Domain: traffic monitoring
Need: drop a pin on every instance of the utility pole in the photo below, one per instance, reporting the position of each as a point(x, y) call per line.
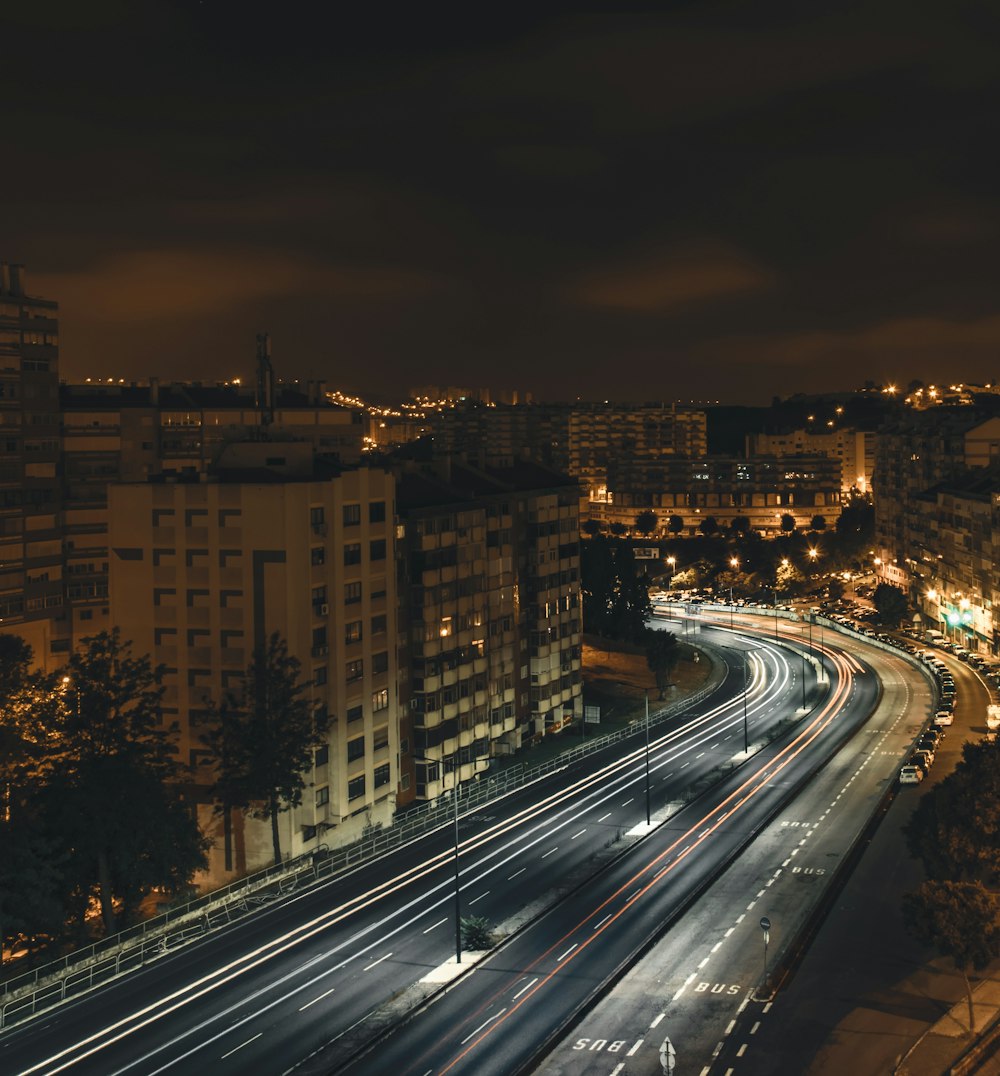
point(647, 759)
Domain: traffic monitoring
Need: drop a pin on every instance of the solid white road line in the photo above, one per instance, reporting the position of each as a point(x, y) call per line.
point(302, 1008)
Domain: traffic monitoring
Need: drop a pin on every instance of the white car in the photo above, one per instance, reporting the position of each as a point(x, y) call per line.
point(911, 775)
point(943, 717)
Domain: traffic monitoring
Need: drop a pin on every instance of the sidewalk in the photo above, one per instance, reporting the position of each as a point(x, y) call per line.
point(948, 1042)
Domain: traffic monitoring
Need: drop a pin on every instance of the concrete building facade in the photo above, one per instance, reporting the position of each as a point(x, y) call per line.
point(855, 449)
point(31, 567)
point(204, 571)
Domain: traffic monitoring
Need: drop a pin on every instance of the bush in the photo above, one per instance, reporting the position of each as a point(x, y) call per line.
point(477, 934)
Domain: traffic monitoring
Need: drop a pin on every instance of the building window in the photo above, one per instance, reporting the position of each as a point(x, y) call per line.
point(352, 593)
point(380, 738)
point(322, 796)
point(380, 662)
point(380, 700)
point(317, 516)
point(352, 553)
point(352, 515)
point(356, 787)
point(376, 512)
point(355, 749)
point(319, 676)
point(355, 713)
point(355, 670)
point(378, 624)
point(318, 554)
point(376, 549)
point(352, 632)
point(381, 775)
point(322, 755)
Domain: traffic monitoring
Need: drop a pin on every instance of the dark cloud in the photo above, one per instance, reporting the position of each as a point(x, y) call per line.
point(713, 200)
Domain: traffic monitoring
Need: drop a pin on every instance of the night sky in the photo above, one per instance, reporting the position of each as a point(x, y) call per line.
point(716, 201)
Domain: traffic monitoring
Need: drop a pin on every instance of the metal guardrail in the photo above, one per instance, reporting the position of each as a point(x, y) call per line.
point(84, 969)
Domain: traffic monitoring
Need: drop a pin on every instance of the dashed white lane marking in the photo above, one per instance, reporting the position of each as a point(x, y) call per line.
point(717, 1050)
point(634, 1048)
point(241, 1045)
point(379, 961)
point(787, 861)
point(713, 747)
point(729, 931)
point(516, 873)
point(434, 926)
point(656, 1021)
point(480, 897)
point(617, 1068)
point(580, 834)
point(627, 802)
point(702, 755)
point(716, 947)
point(603, 921)
point(687, 982)
point(767, 1007)
point(753, 1030)
point(603, 816)
point(750, 906)
point(489, 1020)
point(302, 1008)
point(703, 963)
point(742, 1050)
point(732, 1024)
point(741, 918)
point(760, 893)
point(525, 989)
point(560, 959)
point(550, 851)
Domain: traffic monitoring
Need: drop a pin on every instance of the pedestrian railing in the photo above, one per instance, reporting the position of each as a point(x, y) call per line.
point(83, 969)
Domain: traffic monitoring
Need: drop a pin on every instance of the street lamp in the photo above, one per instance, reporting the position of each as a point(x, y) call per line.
point(734, 563)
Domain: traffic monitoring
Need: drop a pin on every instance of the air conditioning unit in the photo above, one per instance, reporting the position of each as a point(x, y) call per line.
point(324, 610)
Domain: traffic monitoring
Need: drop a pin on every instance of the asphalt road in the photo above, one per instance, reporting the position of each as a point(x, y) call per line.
point(270, 991)
point(699, 997)
point(499, 1018)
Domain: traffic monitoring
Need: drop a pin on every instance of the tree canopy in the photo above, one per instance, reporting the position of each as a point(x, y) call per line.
point(264, 737)
point(960, 919)
point(890, 604)
point(662, 653)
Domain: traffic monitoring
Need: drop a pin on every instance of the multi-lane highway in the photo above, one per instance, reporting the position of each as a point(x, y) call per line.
point(268, 993)
point(498, 1019)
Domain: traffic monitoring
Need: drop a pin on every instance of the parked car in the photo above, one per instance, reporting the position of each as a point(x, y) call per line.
point(911, 775)
point(923, 757)
point(931, 735)
point(943, 717)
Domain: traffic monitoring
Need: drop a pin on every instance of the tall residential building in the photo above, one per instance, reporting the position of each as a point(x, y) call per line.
point(919, 451)
point(491, 570)
point(31, 582)
point(855, 449)
point(115, 432)
point(581, 440)
point(203, 569)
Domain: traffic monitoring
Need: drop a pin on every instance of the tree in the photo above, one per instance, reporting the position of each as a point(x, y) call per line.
point(109, 795)
point(597, 572)
point(662, 654)
point(675, 524)
point(630, 605)
point(645, 522)
point(709, 526)
point(818, 523)
point(740, 525)
point(787, 523)
point(835, 589)
point(264, 738)
point(955, 828)
point(618, 529)
point(30, 890)
point(960, 919)
point(477, 934)
point(591, 527)
point(890, 603)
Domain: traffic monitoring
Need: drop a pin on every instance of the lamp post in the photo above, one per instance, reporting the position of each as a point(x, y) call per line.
point(458, 892)
point(647, 759)
point(734, 563)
